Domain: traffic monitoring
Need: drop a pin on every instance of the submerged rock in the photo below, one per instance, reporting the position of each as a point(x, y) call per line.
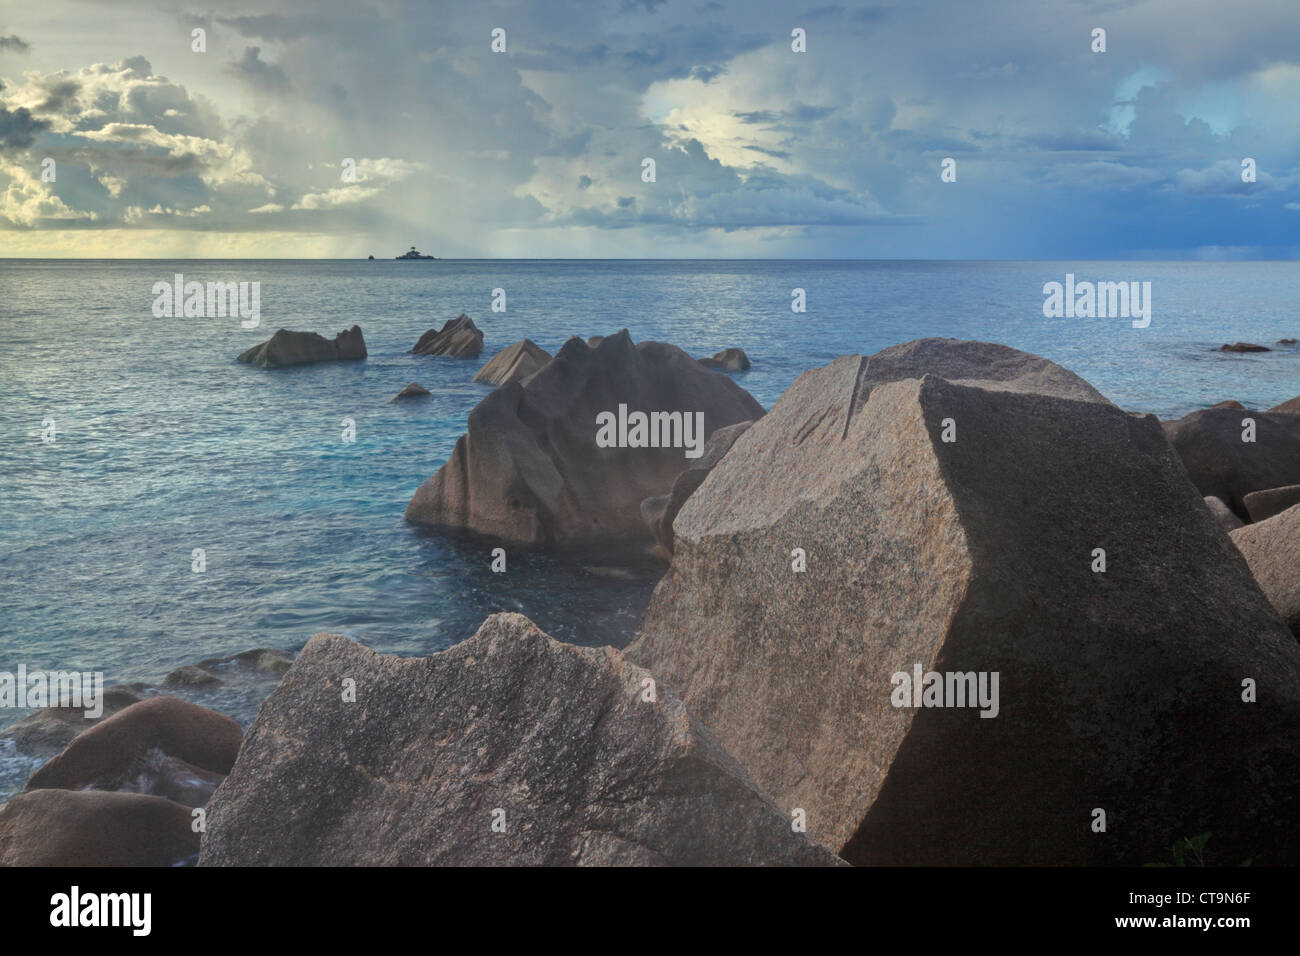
point(728, 360)
point(303, 348)
point(1272, 549)
point(529, 469)
point(414, 390)
point(954, 529)
point(509, 749)
point(218, 671)
point(660, 510)
point(1222, 464)
point(458, 338)
point(518, 363)
point(114, 753)
point(81, 828)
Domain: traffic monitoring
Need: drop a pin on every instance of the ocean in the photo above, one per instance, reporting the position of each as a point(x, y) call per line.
point(165, 444)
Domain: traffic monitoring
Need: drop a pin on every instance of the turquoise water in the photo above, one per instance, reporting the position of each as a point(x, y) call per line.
point(166, 444)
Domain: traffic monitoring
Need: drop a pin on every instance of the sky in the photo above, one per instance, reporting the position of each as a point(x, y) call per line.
point(343, 128)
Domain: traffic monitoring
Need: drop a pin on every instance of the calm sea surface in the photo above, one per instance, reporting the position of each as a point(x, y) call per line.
point(166, 444)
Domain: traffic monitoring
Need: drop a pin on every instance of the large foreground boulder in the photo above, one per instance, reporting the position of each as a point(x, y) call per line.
point(955, 529)
point(458, 338)
point(510, 748)
point(530, 469)
point(1220, 462)
point(1272, 549)
point(303, 348)
point(80, 828)
point(160, 738)
point(518, 363)
point(660, 510)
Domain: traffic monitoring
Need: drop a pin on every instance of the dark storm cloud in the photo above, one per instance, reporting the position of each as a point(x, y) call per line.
point(18, 128)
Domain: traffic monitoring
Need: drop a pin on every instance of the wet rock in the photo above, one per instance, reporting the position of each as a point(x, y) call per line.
point(83, 828)
point(414, 390)
point(286, 348)
point(116, 749)
point(1243, 347)
point(728, 360)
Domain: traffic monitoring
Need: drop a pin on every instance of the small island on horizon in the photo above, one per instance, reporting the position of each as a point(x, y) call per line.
point(412, 253)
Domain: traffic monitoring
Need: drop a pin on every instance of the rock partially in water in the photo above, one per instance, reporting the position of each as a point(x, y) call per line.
point(529, 469)
point(286, 348)
point(862, 536)
point(1243, 347)
point(115, 752)
point(728, 360)
point(1272, 549)
point(1289, 407)
point(83, 828)
point(47, 731)
point(518, 363)
point(222, 671)
point(414, 390)
point(508, 749)
point(458, 338)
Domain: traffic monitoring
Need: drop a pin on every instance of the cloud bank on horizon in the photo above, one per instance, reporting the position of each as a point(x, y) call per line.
point(347, 128)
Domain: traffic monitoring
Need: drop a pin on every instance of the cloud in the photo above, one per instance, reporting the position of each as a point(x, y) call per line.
point(264, 76)
point(14, 44)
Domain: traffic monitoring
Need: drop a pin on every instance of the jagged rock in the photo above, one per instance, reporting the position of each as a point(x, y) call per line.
point(1272, 549)
point(81, 828)
point(1118, 690)
point(458, 338)
point(518, 363)
point(1222, 465)
point(1223, 515)
point(1243, 347)
point(556, 737)
point(659, 511)
point(528, 470)
point(728, 360)
point(1289, 407)
point(118, 750)
point(1262, 505)
point(302, 348)
point(414, 390)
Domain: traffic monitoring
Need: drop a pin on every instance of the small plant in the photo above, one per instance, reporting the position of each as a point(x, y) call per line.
point(1190, 851)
